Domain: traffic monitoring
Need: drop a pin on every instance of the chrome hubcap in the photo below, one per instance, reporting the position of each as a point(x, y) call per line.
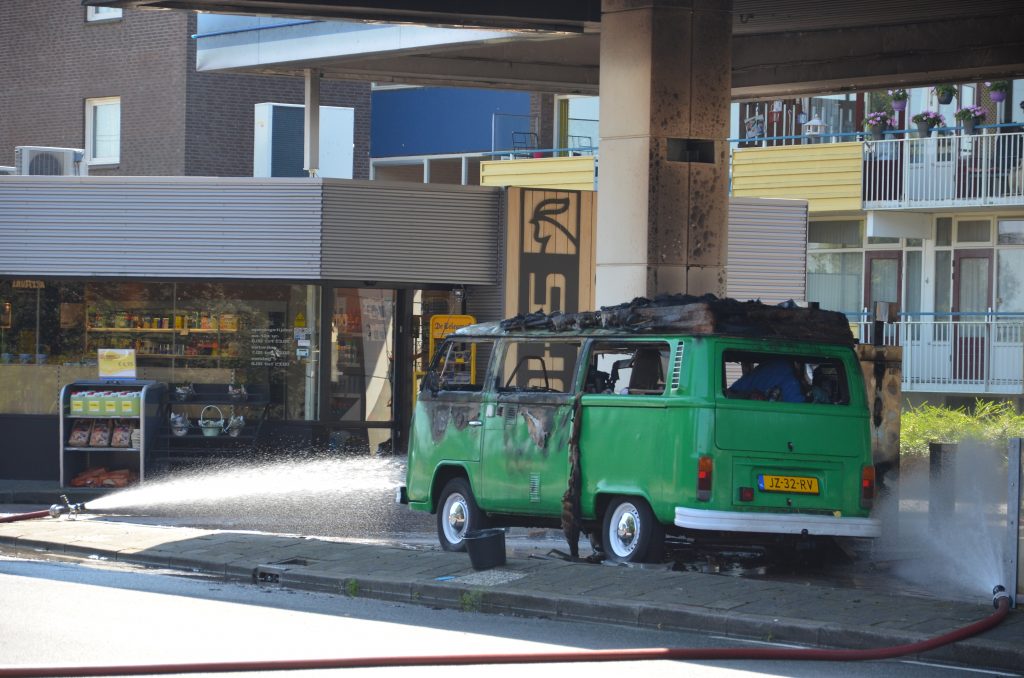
point(455, 524)
point(625, 530)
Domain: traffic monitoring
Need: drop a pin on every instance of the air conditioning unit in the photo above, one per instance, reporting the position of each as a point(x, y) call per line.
point(7, 170)
point(47, 161)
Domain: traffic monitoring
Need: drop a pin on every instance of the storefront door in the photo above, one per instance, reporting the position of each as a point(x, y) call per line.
point(361, 364)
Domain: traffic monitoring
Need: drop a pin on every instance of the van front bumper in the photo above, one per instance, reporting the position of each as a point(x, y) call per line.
point(776, 523)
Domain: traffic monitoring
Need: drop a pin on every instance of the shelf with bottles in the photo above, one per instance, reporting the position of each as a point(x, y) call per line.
point(161, 321)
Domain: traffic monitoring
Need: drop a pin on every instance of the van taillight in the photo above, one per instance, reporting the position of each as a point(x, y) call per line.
point(704, 478)
point(867, 486)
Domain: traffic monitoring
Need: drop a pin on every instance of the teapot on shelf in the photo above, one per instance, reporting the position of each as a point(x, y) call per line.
point(235, 425)
point(179, 424)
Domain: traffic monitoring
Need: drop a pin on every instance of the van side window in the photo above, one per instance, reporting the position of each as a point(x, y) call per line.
point(627, 368)
point(461, 365)
point(784, 377)
point(539, 366)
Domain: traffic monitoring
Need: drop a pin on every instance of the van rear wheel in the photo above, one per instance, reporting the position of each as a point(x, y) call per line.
point(631, 533)
point(457, 514)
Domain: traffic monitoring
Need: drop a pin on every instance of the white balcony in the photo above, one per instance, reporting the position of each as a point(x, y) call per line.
point(961, 170)
point(970, 353)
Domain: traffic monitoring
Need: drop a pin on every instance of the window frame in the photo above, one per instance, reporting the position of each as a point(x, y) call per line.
point(103, 14)
point(90, 131)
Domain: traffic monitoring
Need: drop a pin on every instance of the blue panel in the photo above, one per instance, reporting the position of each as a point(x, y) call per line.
point(436, 120)
point(287, 154)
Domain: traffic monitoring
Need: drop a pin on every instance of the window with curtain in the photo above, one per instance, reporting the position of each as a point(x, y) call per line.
point(834, 280)
point(103, 130)
point(1010, 281)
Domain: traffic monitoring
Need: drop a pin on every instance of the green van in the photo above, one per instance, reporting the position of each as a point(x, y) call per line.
point(706, 417)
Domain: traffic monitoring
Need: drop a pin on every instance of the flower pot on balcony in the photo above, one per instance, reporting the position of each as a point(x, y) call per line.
point(997, 95)
point(876, 132)
point(899, 104)
point(945, 97)
point(969, 126)
point(924, 130)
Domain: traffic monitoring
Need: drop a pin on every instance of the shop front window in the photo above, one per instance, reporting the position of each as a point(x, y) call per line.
point(259, 334)
point(362, 368)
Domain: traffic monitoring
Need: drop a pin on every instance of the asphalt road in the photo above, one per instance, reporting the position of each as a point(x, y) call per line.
point(102, 614)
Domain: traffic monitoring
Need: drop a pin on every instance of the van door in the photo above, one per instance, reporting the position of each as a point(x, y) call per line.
point(624, 433)
point(527, 420)
point(447, 423)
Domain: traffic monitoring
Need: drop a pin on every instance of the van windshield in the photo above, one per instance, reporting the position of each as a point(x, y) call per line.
point(784, 377)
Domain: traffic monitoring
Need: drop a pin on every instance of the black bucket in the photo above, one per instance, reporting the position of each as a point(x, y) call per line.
point(486, 548)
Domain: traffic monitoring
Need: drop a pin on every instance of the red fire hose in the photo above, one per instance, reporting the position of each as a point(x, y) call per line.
point(24, 516)
point(1001, 602)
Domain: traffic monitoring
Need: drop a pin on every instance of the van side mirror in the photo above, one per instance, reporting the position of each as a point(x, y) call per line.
point(431, 383)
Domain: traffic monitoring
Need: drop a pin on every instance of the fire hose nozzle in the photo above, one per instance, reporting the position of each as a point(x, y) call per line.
point(66, 507)
point(998, 593)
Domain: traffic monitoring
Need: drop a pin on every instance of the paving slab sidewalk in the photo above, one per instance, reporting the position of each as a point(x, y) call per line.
point(766, 610)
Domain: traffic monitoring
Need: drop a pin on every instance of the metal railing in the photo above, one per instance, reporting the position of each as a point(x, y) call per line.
point(971, 353)
point(944, 171)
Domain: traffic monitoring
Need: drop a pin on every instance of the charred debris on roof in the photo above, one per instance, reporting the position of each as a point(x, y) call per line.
point(688, 314)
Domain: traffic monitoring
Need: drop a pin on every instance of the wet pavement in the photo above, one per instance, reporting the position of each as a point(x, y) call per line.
point(859, 596)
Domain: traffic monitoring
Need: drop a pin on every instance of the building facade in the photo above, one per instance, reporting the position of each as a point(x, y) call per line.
point(124, 87)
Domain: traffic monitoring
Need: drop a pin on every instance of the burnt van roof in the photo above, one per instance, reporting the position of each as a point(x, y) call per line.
point(681, 314)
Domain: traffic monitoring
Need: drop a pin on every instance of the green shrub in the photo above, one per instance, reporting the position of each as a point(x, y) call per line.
point(993, 423)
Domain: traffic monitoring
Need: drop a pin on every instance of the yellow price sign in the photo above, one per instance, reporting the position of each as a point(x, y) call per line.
point(117, 363)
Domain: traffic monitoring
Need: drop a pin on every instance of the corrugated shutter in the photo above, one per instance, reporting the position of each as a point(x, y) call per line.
point(767, 249)
point(410, 233)
point(487, 302)
point(177, 227)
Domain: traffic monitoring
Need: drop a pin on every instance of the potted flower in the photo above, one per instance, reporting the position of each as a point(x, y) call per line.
point(899, 98)
point(926, 120)
point(969, 116)
point(876, 122)
point(997, 89)
point(945, 93)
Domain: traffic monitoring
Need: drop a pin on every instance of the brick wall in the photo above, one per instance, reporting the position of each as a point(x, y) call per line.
point(542, 108)
point(55, 60)
point(174, 121)
point(220, 112)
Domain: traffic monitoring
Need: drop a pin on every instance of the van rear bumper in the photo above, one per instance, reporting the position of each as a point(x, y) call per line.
point(777, 523)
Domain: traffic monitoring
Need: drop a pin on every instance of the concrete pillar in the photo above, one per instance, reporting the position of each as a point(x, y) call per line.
point(662, 197)
point(311, 145)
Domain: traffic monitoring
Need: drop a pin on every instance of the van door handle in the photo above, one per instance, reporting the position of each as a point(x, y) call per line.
point(475, 422)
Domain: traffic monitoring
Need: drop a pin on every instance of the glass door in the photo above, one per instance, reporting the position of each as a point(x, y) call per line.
point(360, 387)
point(972, 299)
point(883, 281)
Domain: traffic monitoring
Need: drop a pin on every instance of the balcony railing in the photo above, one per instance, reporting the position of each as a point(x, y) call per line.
point(971, 353)
point(954, 170)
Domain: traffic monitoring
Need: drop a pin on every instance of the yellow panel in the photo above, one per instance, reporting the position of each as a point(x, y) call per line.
point(828, 176)
point(572, 173)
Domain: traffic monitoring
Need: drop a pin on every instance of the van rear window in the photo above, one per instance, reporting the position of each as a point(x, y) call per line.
point(784, 377)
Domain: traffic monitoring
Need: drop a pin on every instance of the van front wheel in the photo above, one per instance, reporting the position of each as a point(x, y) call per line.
point(631, 533)
point(457, 513)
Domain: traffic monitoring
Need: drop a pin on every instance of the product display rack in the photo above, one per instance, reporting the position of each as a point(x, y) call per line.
point(135, 457)
point(216, 401)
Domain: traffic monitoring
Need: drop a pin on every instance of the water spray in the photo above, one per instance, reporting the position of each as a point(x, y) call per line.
point(55, 511)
